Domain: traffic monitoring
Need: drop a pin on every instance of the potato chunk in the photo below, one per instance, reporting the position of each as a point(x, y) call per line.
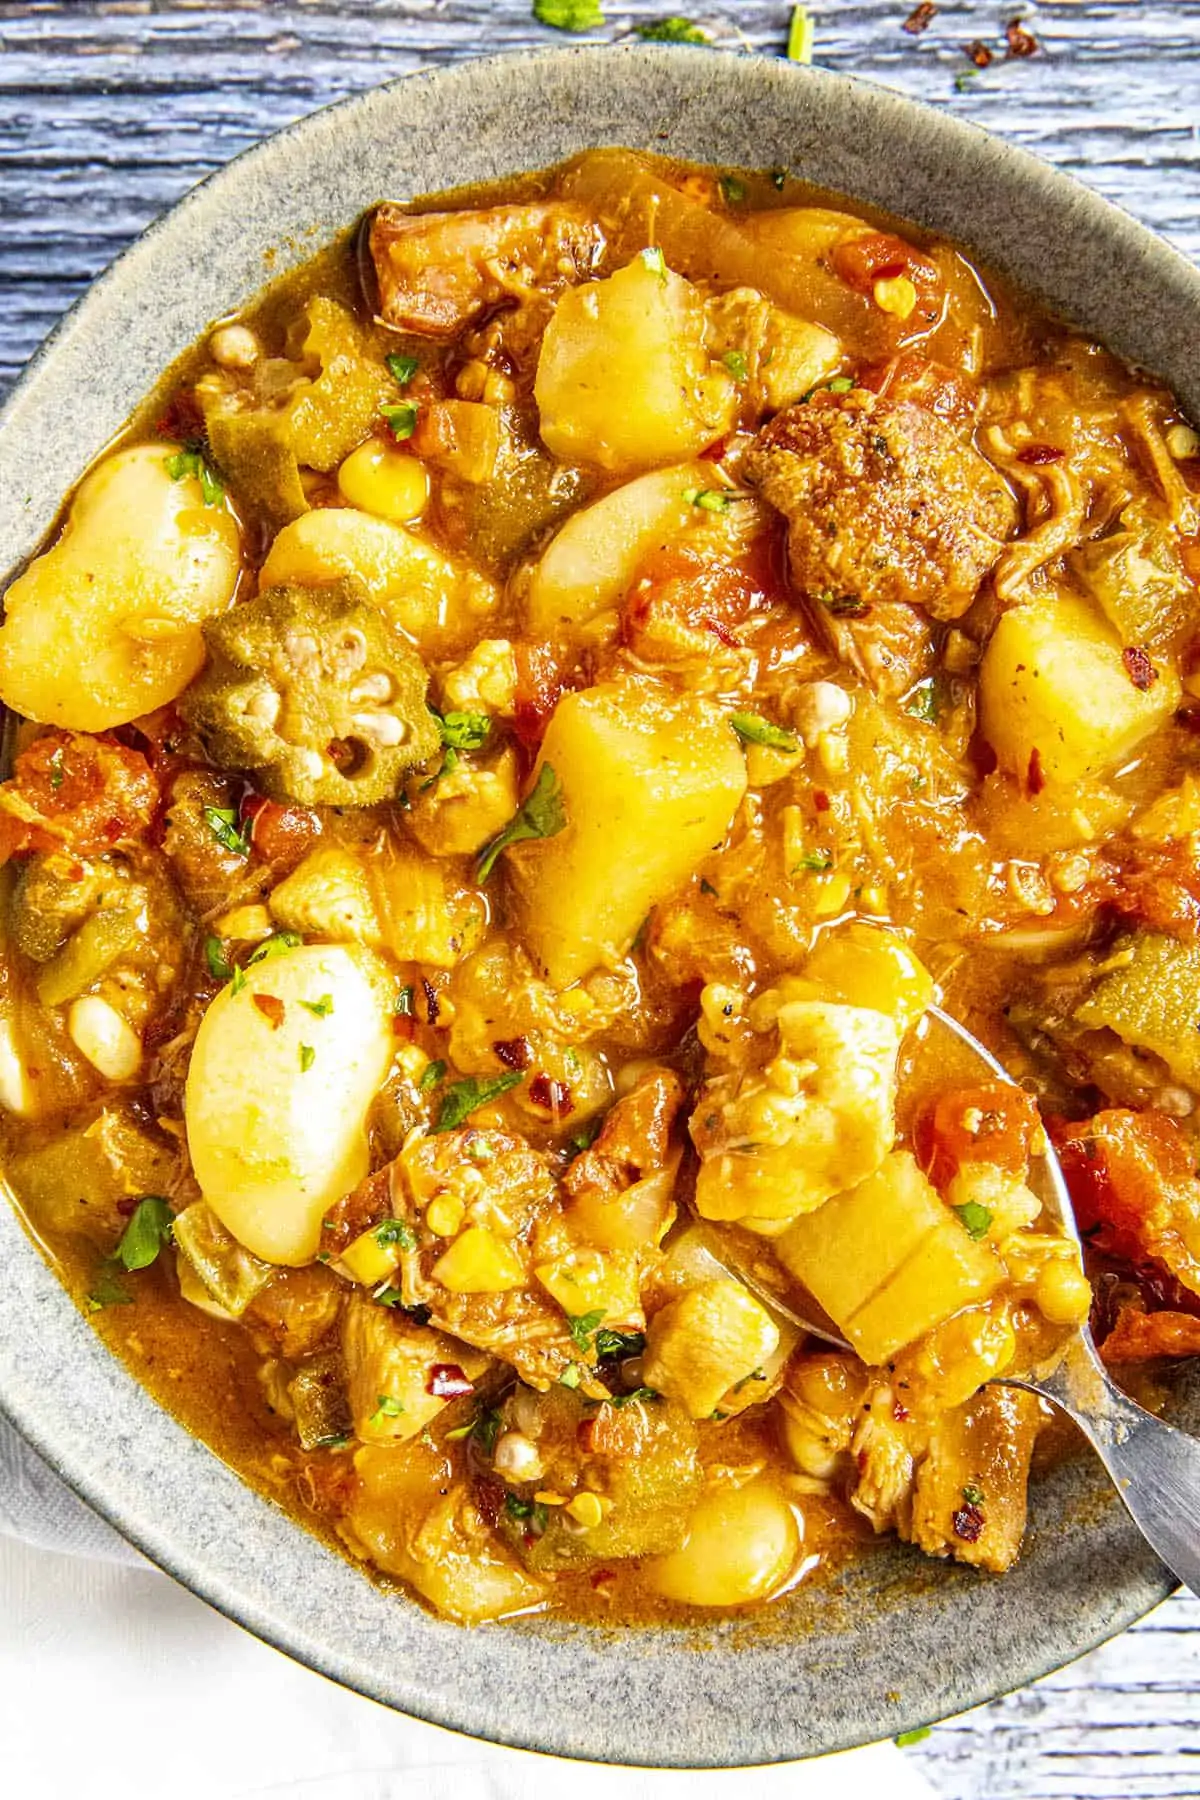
point(623, 379)
point(592, 562)
point(888, 1260)
point(708, 1340)
point(649, 785)
point(1054, 681)
point(777, 1141)
point(277, 1094)
point(105, 625)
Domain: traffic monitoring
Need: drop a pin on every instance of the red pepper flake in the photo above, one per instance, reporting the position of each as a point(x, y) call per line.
point(979, 54)
point(1037, 454)
point(1035, 779)
point(920, 19)
point(1020, 42)
point(722, 632)
point(551, 1095)
point(900, 1412)
point(448, 1382)
point(820, 800)
point(271, 1008)
point(968, 1523)
point(514, 1053)
point(1140, 670)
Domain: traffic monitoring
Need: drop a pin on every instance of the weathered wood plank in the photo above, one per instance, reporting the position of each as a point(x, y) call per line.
point(110, 109)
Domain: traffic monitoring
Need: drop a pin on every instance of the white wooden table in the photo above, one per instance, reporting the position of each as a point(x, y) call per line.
point(110, 109)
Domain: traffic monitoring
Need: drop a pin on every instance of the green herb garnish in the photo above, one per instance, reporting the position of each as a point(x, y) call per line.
point(148, 1230)
point(278, 944)
point(395, 1231)
point(403, 1009)
point(571, 1376)
point(320, 1009)
point(733, 190)
point(238, 982)
point(916, 1736)
point(975, 1219)
point(222, 821)
point(585, 1137)
point(219, 965)
point(926, 700)
point(582, 1327)
point(465, 1097)
point(844, 606)
point(401, 368)
point(388, 1408)
point(401, 419)
point(819, 860)
point(973, 1495)
point(752, 728)
point(430, 1076)
point(532, 1511)
point(464, 730)
point(654, 260)
point(615, 1346)
point(673, 30)
point(735, 362)
point(57, 772)
point(541, 815)
point(190, 461)
point(308, 1057)
point(714, 500)
point(800, 36)
point(106, 1290)
point(568, 15)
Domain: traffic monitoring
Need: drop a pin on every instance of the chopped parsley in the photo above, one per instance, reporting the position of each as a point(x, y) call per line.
point(464, 730)
point(752, 728)
point(568, 15)
point(735, 362)
point(819, 860)
point(672, 30)
point(926, 700)
point(571, 1376)
point(430, 1076)
point(540, 815)
point(401, 419)
point(800, 36)
point(585, 1137)
point(149, 1228)
point(238, 982)
point(840, 384)
point(655, 261)
point(485, 1429)
point(57, 772)
point(973, 1495)
point(219, 965)
point(844, 606)
point(582, 1327)
point(106, 1290)
point(320, 1009)
point(222, 821)
point(278, 944)
point(308, 1057)
point(533, 1512)
point(975, 1219)
point(401, 368)
point(403, 1009)
point(615, 1346)
point(463, 1098)
point(395, 1231)
point(190, 461)
point(733, 190)
point(714, 500)
point(916, 1736)
point(388, 1407)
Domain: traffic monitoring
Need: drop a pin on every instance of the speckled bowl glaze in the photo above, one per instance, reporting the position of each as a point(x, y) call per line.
point(894, 1641)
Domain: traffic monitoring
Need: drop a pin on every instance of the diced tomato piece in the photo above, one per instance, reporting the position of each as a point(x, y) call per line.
point(541, 682)
point(988, 1124)
point(879, 256)
point(1132, 1179)
point(76, 792)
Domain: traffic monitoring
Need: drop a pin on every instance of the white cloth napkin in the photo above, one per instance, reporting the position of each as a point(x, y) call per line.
point(116, 1682)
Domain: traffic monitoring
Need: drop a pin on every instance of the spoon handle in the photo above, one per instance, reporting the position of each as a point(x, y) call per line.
point(1155, 1468)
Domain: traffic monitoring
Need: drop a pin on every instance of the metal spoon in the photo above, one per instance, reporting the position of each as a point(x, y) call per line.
point(1154, 1467)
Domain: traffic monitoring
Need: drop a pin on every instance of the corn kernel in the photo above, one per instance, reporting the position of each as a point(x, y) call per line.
point(586, 1510)
point(1062, 1292)
point(478, 1263)
point(1183, 442)
point(99, 1032)
point(895, 294)
point(834, 891)
point(387, 482)
point(444, 1216)
point(245, 924)
point(369, 1261)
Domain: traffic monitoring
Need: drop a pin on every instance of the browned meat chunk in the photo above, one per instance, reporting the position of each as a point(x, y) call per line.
point(969, 1497)
point(635, 1139)
point(437, 271)
point(887, 505)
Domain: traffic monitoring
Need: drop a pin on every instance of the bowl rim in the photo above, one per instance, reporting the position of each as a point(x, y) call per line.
point(111, 1465)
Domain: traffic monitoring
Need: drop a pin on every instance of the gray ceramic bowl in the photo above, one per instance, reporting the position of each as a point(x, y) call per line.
point(895, 1641)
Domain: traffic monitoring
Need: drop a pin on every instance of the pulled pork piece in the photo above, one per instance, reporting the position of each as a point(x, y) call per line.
point(956, 1487)
point(1132, 1176)
point(73, 792)
point(437, 271)
point(635, 1140)
point(298, 1309)
point(969, 1498)
point(887, 505)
